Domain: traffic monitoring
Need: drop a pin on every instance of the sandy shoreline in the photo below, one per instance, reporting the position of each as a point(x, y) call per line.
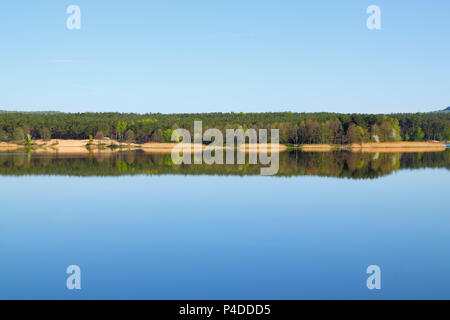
point(383, 147)
point(317, 147)
point(404, 146)
point(61, 146)
point(168, 147)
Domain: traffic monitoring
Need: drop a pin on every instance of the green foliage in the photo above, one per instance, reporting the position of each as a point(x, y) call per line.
point(360, 133)
point(167, 160)
point(419, 135)
point(168, 135)
point(352, 165)
point(120, 128)
point(295, 128)
point(28, 140)
point(149, 120)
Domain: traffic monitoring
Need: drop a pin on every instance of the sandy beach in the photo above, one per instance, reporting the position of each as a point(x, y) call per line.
point(153, 147)
point(62, 146)
point(401, 146)
point(317, 147)
point(383, 147)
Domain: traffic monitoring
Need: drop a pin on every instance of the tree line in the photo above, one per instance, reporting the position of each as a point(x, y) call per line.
point(295, 128)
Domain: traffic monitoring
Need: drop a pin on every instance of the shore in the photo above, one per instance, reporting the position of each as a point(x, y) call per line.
point(402, 146)
point(61, 146)
point(317, 147)
point(167, 147)
point(382, 147)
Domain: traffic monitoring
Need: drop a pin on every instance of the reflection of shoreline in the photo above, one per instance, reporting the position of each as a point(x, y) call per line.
point(339, 164)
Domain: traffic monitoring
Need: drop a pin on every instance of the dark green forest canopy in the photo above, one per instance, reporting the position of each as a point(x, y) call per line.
point(295, 128)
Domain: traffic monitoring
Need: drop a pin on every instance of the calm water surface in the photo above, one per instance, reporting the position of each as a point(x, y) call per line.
point(141, 228)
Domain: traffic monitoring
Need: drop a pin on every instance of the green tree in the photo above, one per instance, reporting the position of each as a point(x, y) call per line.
point(407, 136)
point(419, 135)
point(360, 134)
point(298, 128)
point(28, 140)
point(120, 128)
point(168, 135)
point(395, 131)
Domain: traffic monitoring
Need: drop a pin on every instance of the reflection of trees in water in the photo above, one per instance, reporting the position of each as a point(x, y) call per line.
point(329, 164)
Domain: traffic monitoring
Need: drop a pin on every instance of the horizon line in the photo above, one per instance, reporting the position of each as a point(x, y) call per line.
point(2, 110)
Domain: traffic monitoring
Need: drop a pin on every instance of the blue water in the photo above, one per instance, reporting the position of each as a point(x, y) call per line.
point(216, 237)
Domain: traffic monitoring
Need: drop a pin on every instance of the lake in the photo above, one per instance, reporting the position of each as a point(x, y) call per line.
point(140, 227)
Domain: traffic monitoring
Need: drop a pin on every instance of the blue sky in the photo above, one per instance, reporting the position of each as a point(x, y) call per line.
point(233, 55)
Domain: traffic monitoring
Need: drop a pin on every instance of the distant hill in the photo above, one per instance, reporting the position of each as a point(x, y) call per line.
point(446, 110)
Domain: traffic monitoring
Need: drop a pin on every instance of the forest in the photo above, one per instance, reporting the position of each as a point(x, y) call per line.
point(295, 128)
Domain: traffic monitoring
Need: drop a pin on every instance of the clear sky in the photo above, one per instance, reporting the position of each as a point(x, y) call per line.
point(228, 55)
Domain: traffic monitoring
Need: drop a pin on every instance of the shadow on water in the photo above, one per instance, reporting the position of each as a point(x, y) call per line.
point(328, 164)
